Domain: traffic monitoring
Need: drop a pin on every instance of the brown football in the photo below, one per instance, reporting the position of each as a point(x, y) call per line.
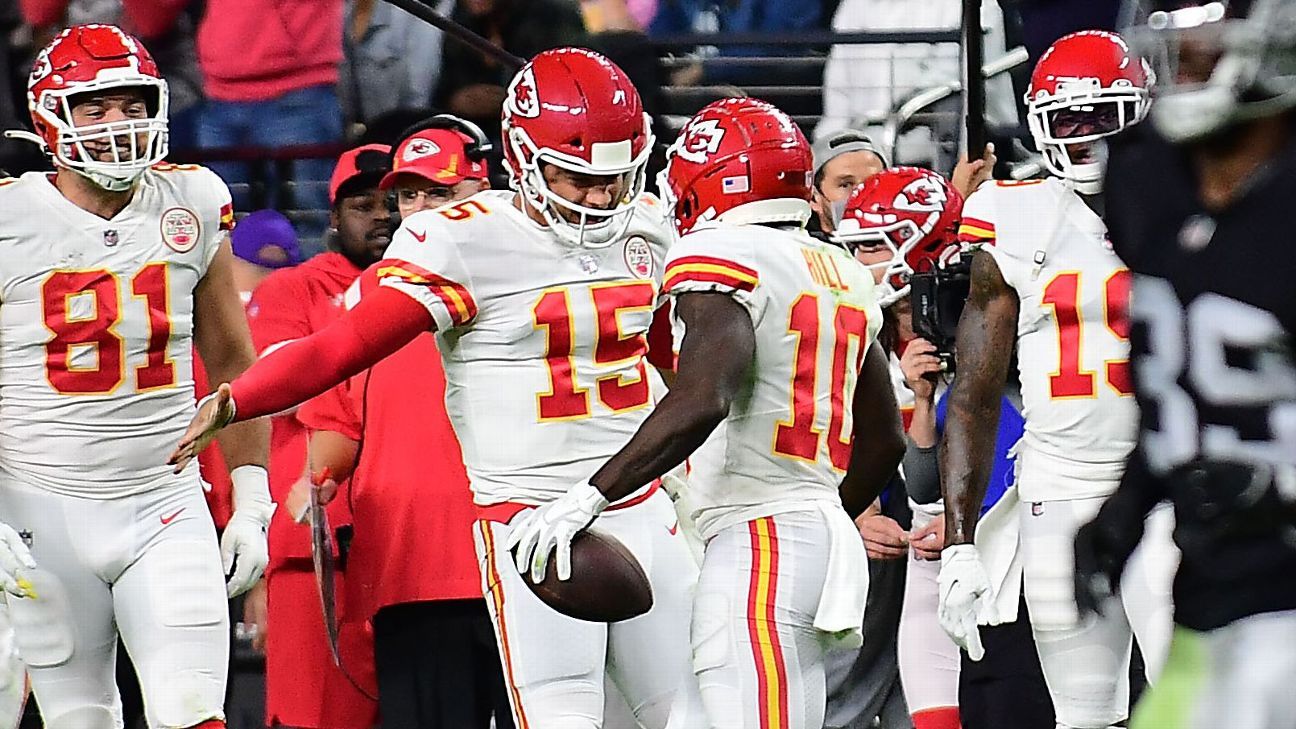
point(607, 583)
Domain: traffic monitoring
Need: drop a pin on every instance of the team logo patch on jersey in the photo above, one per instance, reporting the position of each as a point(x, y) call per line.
point(638, 257)
point(180, 229)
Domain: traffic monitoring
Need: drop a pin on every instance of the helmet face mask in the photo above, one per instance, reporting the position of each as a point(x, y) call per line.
point(80, 65)
point(1218, 63)
point(577, 111)
point(1086, 87)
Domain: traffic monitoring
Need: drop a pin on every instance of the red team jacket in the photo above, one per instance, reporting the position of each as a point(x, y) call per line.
point(292, 303)
point(413, 512)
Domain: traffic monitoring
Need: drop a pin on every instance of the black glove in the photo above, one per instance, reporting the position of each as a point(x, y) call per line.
point(1103, 547)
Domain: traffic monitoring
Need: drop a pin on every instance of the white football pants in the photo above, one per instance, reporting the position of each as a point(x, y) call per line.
point(758, 657)
point(929, 660)
point(555, 665)
point(147, 566)
point(1086, 663)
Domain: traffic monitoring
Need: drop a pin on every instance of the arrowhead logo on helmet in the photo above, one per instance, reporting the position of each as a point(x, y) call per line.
point(522, 94)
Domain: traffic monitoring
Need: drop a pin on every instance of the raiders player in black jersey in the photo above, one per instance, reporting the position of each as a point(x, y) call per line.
point(1200, 210)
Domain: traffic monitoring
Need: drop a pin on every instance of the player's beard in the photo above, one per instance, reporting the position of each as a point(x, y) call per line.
point(102, 150)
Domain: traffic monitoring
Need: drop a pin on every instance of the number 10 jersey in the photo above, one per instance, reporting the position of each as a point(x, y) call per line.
point(96, 329)
point(787, 440)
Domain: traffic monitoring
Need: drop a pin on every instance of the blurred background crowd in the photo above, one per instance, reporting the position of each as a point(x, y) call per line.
point(302, 105)
point(268, 93)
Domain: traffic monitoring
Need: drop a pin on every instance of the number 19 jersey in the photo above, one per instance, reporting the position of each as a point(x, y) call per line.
point(1072, 334)
point(787, 440)
point(543, 342)
point(96, 329)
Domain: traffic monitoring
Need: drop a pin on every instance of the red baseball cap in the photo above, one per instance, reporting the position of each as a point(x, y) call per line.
point(437, 155)
point(371, 159)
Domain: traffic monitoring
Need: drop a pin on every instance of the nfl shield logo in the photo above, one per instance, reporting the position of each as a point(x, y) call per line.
point(589, 264)
point(110, 238)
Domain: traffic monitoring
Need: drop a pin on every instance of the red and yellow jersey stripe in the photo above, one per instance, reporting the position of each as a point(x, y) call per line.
point(227, 217)
point(456, 298)
point(705, 269)
point(972, 230)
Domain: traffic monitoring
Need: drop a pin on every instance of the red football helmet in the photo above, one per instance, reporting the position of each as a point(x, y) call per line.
point(912, 213)
point(89, 58)
point(1086, 86)
point(742, 160)
point(574, 108)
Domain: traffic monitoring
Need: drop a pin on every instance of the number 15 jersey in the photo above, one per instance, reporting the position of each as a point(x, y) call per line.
point(1072, 334)
point(96, 329)
point(543, 342)
point(787, 440)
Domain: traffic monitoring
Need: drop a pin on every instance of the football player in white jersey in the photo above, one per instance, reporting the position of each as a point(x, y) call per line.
point(541, 299)
point(115, 266)
point(1044, 278)
point(778, 373)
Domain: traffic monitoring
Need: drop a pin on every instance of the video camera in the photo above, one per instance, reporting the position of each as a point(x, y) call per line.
point(937, 298)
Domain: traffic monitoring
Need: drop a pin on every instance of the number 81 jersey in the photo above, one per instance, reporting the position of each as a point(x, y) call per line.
point(1072, 334)
point(96, 325)
point(787, 440)
point(543, 342)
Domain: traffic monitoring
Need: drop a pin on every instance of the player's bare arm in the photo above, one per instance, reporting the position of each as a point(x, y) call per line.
point(879, 435)
point(224, 341)
point(986, 334)
point(383, 322)
point(331, 457)
point(715, 357)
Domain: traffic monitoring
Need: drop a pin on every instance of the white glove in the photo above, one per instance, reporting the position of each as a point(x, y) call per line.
point(966, 598)
point(552, 527)
point(244, 549)
point(14, 557)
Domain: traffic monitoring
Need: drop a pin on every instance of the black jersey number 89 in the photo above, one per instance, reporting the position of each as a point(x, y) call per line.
point(1191, 348)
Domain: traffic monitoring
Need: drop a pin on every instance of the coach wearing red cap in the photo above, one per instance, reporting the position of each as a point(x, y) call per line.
point(436, 165)
point(303, 686)
point(412, 559)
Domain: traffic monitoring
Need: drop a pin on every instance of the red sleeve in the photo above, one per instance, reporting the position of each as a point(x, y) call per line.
point(380, 324)
point(278, 312)
point(334, 410)
point(661, 341)
point(152, 18)
point(42, 13)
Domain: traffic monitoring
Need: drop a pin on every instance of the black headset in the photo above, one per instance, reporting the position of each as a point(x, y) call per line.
point(476, 149)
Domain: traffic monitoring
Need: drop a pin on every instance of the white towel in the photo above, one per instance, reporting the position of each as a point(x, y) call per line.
point(997, 537)
point(840, 613)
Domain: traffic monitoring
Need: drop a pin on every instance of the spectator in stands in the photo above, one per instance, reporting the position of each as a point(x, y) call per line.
point(863, 84)
point(412, 567)
point(770, 17)
point(164, 25)
point(1044, 21)
point(270, 70)
point(303, 686)
point(393, 59)
point(473, 86)
point(612, 15)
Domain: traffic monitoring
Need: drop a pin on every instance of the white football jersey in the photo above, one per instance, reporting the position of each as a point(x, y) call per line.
point(1072, 334)
point(787, 440)
point(543, 342)
point(96, 329)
